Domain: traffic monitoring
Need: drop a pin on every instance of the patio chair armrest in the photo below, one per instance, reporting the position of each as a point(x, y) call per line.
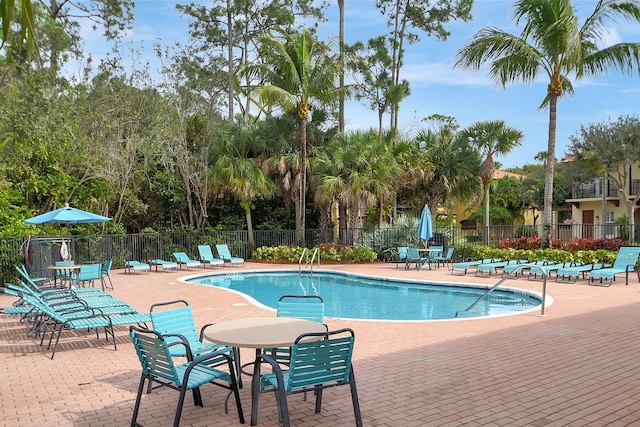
point(183, 341)
point(202, 330)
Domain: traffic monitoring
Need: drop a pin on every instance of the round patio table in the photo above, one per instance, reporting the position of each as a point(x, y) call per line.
point(259, 333)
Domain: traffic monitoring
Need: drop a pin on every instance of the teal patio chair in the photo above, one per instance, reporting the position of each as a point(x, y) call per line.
point(318, 361)
point(104, 274)
point(206, 256)
point(87, 275)
point(624, 263)
point(414, 256)
point(174, 319)
point(401, 256)
point(158, 367)
point(308, 307)
point(183, 259)
point(445, 259)
point(225, 254)
point(434, 253)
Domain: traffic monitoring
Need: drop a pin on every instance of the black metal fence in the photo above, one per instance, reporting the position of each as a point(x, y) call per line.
point(40, 252)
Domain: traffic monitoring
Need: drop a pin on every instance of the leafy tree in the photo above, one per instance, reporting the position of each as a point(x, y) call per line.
point(552, 43)
point(374, 81)
point(427, 16)
point(614, 148)
point(491, 138)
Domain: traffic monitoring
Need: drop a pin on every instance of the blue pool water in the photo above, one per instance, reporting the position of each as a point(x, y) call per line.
point(355, 297)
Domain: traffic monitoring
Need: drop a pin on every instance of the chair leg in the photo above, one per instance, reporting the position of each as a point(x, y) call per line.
point(318, 392)
point(138, 399)
point(354, 399)
point(183, 392)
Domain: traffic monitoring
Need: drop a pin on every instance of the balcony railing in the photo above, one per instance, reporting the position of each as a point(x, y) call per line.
point(594, 189)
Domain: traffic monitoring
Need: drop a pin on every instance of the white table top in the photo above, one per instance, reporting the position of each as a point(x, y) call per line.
point(261, 332)
point(65, 267)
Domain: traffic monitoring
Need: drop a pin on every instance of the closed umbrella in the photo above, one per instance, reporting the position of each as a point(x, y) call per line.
point(425, 230)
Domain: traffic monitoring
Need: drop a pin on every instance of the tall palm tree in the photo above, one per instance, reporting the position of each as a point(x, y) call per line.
point(491, 138)
point(298, 70)
point(553, 43)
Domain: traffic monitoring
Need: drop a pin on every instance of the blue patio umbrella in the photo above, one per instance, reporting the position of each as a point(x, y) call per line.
point(425, 230)
point(67, 215)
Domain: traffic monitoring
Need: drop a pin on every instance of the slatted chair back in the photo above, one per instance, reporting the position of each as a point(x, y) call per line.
point(104, 273)
point(627, 256)
point(223, 251)
point(320, 362)
point(89, 272)
point(435, 252)
point(155, 359)
point(205, 252)
point(402, 255)
point(182, 257)
point(177, 320)
point(309, 307)
point(174, 318)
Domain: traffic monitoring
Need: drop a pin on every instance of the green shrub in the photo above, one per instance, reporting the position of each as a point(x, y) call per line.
point(328, 253)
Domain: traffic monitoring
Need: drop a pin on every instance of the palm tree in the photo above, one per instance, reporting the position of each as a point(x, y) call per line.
point(238, 169)
point(491, 138)
point(298, 70)
point(454, 166)
point(27, 22)
point(553, 43)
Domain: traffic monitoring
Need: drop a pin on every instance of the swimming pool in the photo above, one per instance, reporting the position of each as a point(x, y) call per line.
point(351, 296)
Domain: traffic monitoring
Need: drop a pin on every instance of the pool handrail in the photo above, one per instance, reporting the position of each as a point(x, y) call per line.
point(519, 268)
point(305, 251)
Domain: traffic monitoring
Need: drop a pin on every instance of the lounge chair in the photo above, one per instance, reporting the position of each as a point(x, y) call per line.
point(624, 263)
point(183, 259)
point(225, 254)
point(492, 267)
point(521, 268)
point(466, 265)
point(572, 274)
point(166, 265)
point(136, 266)
point(206, 256)
point(550, 268)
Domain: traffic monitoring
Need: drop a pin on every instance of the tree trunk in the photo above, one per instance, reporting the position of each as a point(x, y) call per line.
point(548, 185)
point(486, 213)
point(247, 213)
point(300, 226)
point(231, 76)
point(341, 38)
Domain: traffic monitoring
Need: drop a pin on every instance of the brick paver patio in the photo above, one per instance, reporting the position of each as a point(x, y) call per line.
point(577, 366)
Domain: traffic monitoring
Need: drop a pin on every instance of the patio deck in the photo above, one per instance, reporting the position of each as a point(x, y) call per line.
point(576, 366)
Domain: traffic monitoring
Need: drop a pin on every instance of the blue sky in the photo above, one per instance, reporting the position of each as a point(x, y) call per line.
point(437, 88)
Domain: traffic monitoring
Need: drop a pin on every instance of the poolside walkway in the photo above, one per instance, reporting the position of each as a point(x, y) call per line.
point(577, 366)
